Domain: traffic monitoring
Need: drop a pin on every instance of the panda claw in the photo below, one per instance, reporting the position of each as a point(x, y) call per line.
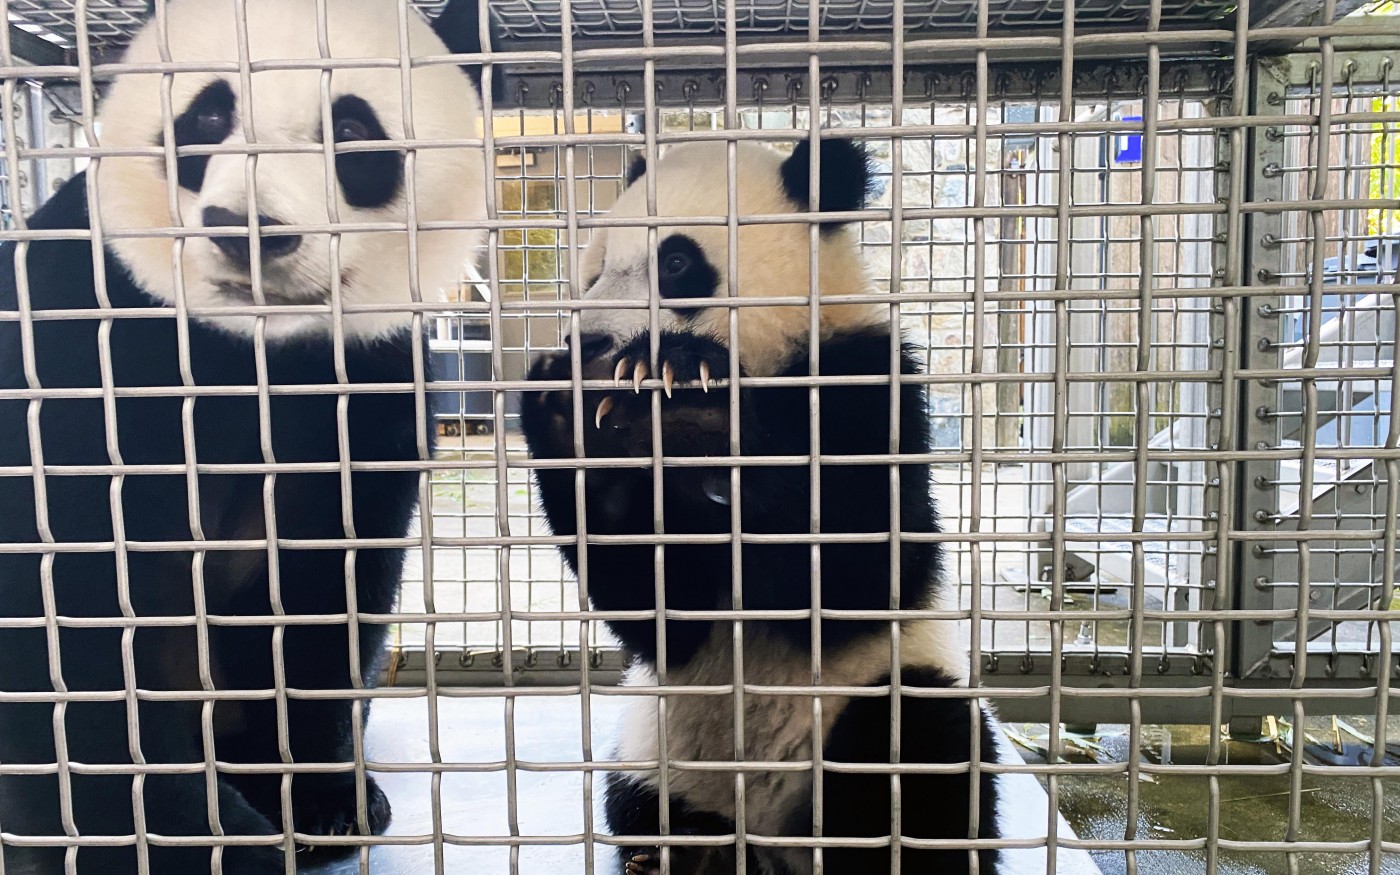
point(619, 371)
point(603, 407)
point(639, 373)
point(705, 376)
point(668, 377)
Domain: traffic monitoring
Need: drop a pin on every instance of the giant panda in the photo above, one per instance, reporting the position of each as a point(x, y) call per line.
point(245, 399)
point(693, 352)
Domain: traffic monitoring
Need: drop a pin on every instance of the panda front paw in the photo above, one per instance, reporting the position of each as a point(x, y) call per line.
point(325, 805)
point(546, 415)
point(619, 422)
point(694, 425)
point(681, 358)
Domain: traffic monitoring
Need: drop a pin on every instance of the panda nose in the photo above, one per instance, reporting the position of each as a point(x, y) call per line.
point(237, 248)
point(591, 344)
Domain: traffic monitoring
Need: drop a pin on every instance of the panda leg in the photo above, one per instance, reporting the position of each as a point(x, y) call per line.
point(103, 805)
point(632, 807)
point(934, 806)
point(320, 731)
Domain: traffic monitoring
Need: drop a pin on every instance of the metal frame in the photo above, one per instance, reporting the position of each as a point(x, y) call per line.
point(1266, 409)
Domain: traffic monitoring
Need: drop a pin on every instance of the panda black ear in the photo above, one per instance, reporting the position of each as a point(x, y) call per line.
point(637, 168)
point(459, 27)
point(845, 177)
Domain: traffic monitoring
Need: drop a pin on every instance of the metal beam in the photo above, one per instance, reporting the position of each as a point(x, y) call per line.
point(36, 50)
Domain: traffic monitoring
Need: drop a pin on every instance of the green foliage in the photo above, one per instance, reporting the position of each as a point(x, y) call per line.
point(1384, 175)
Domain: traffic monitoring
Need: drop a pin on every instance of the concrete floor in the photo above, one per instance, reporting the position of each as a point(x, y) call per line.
point(1171, 807)
point(472, 808)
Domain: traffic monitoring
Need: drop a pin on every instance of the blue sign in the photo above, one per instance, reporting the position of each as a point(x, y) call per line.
point(1127, 146)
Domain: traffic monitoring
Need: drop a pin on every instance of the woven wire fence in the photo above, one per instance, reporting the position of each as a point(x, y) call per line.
point(1154, 286)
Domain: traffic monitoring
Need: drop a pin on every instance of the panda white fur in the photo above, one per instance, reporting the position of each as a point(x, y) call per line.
point(104, 572)
point(777, 570)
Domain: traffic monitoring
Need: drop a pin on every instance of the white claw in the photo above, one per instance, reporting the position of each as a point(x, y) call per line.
point(668, 377)
point(705, 376)
point(619, 371)
point(603, 407)
point(639, 373)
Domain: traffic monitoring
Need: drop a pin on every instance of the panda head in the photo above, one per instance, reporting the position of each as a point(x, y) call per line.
point(365, 103)
point(692, 261)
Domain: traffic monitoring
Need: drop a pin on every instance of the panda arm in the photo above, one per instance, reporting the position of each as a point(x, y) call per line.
point(633, 808)
point(619, 500)
point(855, 498)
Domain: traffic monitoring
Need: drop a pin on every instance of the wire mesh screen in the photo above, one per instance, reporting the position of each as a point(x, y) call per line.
point(937, 272)
point(1145, 255)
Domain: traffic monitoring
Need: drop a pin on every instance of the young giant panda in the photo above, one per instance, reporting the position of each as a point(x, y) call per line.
point(164, 539)
point(936, 724)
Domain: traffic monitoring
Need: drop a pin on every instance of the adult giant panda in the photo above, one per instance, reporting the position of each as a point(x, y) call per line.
point(937, 725)
point(205, 530)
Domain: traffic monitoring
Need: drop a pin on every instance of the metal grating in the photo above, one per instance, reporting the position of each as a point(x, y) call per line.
point(110, 23)
point(1334, 323)
point(694, 18)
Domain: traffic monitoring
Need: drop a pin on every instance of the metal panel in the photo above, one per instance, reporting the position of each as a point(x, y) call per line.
point(1325, 262)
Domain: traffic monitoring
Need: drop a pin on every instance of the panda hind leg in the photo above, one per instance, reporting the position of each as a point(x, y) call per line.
point(103, 804)
point(634, 808)
point(934, 806)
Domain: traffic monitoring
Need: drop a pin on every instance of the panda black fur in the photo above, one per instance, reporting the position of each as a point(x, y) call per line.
point(87, 509)
point(777, 571)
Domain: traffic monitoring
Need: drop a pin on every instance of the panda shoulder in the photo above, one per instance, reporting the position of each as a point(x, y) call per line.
point(59, 271)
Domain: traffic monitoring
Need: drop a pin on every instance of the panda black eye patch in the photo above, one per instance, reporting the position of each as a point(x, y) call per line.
point(368, 179)
point(682, 271)
point(207, 121)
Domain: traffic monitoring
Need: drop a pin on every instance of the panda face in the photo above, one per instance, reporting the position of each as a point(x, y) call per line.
point(692, 261)
point(364, 105)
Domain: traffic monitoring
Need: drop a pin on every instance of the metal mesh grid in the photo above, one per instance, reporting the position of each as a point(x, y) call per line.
point(937, 262)
point(111, 22)
point(533, 18)
point(1123, 274)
